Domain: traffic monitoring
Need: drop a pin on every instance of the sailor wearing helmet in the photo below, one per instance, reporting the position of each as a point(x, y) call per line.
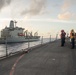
point(62, 37)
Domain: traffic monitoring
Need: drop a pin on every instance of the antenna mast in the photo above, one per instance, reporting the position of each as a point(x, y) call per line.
point(15, 23)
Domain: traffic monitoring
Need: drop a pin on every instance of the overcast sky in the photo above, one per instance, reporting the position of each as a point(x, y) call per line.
point(45, 16)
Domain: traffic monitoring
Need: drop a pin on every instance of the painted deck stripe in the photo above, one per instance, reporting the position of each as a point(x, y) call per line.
point(14, 66)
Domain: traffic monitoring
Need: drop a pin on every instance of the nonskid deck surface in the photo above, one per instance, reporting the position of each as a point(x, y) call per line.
point(50, 59)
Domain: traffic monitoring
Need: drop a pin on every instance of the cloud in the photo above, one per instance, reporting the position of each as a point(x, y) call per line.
point(68, 4)
point(4, 3)
point(36, 7)
point(65, 16)
point(67, 10)
point(65, 6)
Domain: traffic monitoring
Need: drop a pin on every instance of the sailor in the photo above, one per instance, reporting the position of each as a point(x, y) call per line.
point(62, 37)
point(72, 37)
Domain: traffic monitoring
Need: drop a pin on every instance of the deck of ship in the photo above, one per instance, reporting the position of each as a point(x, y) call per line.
point(49, 59)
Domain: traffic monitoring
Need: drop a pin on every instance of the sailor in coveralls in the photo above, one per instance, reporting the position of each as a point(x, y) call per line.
point(72, 37)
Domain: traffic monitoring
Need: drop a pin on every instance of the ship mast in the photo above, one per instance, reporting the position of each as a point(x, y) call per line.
point(15, 23)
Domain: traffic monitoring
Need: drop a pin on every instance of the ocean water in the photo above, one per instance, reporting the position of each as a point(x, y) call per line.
point(14, 47)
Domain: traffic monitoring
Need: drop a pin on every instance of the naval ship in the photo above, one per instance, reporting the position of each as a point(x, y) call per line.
point(15, 34)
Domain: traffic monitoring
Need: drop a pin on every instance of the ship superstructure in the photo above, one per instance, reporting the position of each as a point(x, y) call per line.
point(14, 34)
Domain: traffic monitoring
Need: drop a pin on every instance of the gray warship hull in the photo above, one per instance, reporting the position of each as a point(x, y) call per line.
point(14, 34)
point(17, 40)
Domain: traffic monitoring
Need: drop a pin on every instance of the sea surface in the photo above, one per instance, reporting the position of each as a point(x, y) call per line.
point(14, 47)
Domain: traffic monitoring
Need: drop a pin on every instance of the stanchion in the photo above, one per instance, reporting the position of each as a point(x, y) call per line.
point(28, 43)
point(56, 36)
point(6, 46)
point(42, 40)
point(50, 38)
